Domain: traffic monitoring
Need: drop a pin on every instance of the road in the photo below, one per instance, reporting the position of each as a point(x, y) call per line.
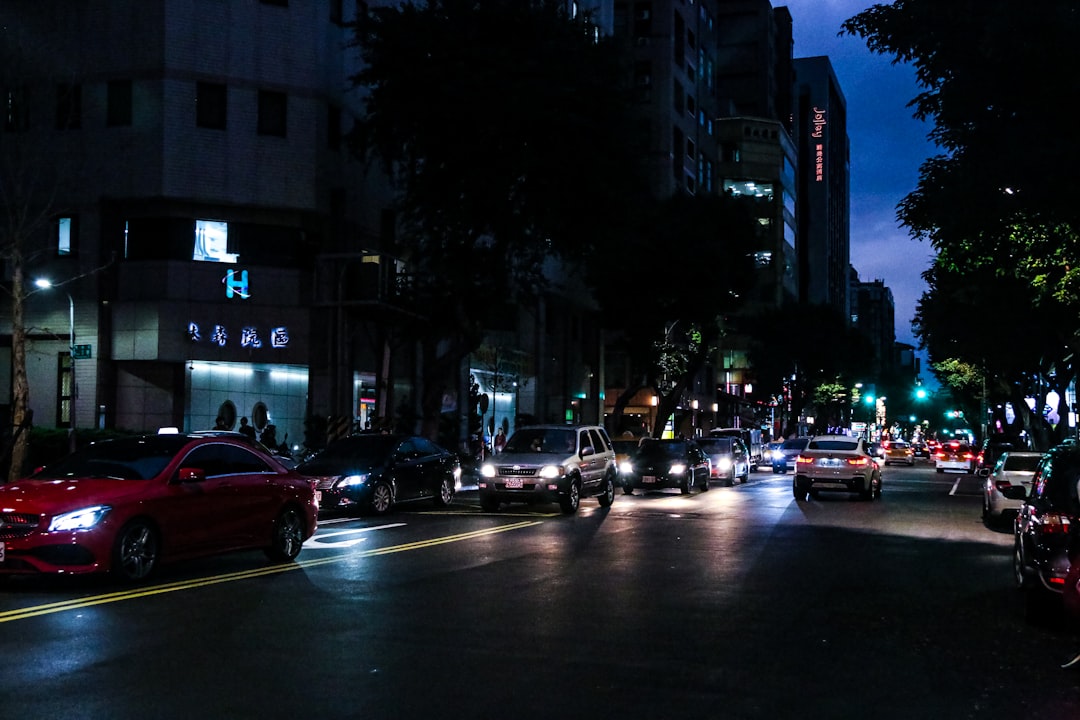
point(735, 603)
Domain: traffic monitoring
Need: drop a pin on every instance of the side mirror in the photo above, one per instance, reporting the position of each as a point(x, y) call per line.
point(587, 450)
point(189, 474)
point(984, 472)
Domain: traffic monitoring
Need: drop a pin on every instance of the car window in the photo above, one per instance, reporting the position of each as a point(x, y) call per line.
point(795, 444)
point(597, 442)
point(217, 459)
point(717, 444)
point(426, 447)
point(842, 445)
point(655, 449)
point(1022, 463)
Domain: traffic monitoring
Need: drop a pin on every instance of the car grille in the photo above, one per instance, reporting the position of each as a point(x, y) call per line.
point(325, 483)
point(515, 471)
point(16, 525)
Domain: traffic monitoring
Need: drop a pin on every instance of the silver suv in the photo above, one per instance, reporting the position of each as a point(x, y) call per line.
point(551, 463)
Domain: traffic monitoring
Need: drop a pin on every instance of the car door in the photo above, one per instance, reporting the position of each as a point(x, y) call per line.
point(407, 469)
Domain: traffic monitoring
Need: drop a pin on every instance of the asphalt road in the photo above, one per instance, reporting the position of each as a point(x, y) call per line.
point(736, 603)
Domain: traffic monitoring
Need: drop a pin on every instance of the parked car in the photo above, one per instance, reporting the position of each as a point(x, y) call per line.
point(836, 463)
point(659, 464)
point(954, 455)
point(729, 460)
point(898, 451)
point(1041, 528)
point(551, 463)
point(372, 472)
point(783, 458)
point(992, 448)
point(1012, 469)
point(127, 506)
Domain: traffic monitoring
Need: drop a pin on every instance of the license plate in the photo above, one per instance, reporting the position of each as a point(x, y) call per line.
point(831, 485)
point(830, 462)
point(513, 483)
point(648, 478)
point(1, 552)
point(318, 497)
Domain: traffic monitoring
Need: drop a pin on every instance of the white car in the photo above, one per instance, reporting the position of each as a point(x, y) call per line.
point(954, 455)
point(836, 463)
point(1002, 496)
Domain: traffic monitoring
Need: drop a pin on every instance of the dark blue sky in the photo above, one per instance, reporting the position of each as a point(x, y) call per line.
point(887, 147)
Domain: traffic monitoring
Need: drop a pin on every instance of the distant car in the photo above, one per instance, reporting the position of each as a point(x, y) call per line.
point(954, 455)
point(899, 451)
point(127, 506)
point(1000, 497)
point(877, 451)
point(1041, 528)
point(836, 463)
point(551, 463)
point(659, 464)
point(992, 448)
point(372, 472)
point(783, 458)
point(920, 449)
point(729, 460)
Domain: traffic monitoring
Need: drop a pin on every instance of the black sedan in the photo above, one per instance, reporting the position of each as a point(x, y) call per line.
point(373, 472)
point(660, 464)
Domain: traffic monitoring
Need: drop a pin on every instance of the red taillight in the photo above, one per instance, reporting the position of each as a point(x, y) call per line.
point(1054, 524)
point(804, 460)
point(968, 456)
point(939, 455)
point(858, 461)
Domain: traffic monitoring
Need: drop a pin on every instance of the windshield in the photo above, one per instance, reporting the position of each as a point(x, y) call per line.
point(661, 449)
point(126, 459)
point(558, 441)
point(1022, 463)
point(715, 445)
point(842, 445)
point(355, 451)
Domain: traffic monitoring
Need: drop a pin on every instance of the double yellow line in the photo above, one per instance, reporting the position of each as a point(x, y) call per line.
point(66, 605)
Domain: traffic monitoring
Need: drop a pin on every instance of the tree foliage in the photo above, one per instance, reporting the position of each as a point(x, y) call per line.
point(998, 204)
point(505, 127)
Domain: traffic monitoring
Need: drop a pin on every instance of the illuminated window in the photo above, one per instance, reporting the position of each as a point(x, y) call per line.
point(65, 389)
point(64, 235)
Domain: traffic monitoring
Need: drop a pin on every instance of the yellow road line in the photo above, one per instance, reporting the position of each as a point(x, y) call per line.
point(65, 605)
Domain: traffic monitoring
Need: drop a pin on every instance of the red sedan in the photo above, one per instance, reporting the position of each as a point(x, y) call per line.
point(125, 506)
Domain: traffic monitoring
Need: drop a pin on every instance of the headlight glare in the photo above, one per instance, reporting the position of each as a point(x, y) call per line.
point(626, 467)
point(81, 519)
point(352, 481)
point(724, 464)
point(487, 470)
point(678, 469)
point(551, 471)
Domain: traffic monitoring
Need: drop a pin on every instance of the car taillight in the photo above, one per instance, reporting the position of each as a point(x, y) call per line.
point(968, 456)
point(858, 461)
point(800, 460)
point(1054, 524)
point(939, 455)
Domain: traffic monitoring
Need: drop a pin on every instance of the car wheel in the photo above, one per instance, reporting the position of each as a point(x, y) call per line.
point(798, 490)
point(445, 496)
point(382, 498)
point(627, 489)
point(867, 493)
point(608, 496)
point(877, 489)
point(136, 552)
point(704, 484)
point(489, 503)
point(1019, 576)
point(569, 502)
point(745, 476)
point(687, 484)
point(287, 538)
point(729, 482)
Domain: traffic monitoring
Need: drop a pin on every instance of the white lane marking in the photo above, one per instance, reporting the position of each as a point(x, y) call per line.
point(956, 485)
point(320, 540)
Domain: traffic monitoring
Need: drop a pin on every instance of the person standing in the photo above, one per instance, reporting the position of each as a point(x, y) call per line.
point(245, 429)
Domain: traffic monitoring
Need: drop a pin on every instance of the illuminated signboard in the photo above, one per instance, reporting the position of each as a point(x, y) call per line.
point(818, 121)
point(236, 284)
point(249, 336)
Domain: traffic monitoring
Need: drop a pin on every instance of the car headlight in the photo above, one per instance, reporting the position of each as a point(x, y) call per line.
point(677, 469)
point(551, 471)
point(724, 464)
point(487, 470)
point(626, 467)
point(352, 481)
point(81, 519)
point(777, 455)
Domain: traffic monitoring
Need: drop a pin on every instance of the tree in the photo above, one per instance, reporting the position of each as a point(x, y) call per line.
point(998, 205)
point(505, 126)
point(667, 288)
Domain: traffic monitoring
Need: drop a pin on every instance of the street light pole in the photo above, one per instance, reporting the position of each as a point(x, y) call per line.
point(45, 283)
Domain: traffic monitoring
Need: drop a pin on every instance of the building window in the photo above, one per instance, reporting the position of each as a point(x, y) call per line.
point(68, 106)
point(118, 103)
point(279, 3)
point(273, 111)
point(65, 235)
point(210, 105)
point(16, 109)
point(65, 389)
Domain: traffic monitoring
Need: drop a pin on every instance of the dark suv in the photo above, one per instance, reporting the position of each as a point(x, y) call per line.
point(550, 463)
point(993, 446)
point(1042, 526)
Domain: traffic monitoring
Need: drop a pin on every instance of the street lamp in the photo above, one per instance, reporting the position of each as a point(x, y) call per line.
point(44, 284)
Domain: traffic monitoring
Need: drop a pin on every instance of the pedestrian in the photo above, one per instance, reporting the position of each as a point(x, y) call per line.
point(219, 423)
point(245, 429)
point(500, 440)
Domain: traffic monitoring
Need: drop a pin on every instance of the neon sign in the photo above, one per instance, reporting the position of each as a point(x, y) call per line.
point(236, 284)
point(250, 336)
point(819, 122)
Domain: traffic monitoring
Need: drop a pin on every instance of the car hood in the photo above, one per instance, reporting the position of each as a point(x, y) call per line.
point(51, 496)
point(531, 459)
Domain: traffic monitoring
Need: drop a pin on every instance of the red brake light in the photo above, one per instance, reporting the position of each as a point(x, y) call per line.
point(858, 461)
point(804, 460)
point(1054, 524)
